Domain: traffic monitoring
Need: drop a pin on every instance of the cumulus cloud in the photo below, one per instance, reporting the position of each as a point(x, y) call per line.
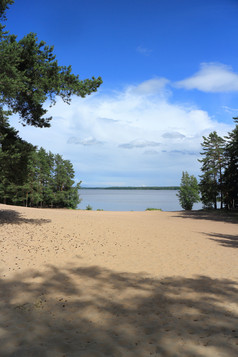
point(173, 135)
point(212, 77)
point(108, 120)
point(151, 152)
point(152, 86)
point(160, 136)
point(85, 141)
point(138, 144)
point(184, 152)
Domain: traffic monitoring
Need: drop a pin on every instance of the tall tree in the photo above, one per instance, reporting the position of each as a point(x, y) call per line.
point(30, 74)
point(188, 192)
point(213, 164)
point(231, 172)
point(65, 194)
point(14, 155)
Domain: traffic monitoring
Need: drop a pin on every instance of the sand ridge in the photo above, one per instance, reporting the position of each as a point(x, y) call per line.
point(87, 283)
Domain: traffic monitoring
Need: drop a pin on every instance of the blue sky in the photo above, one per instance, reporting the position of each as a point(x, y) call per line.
point(170, 76)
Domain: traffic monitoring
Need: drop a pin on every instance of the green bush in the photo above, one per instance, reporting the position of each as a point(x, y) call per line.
point(188, 192)
point(153, 209)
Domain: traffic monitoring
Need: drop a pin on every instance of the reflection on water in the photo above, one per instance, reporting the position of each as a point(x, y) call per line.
point(131, 200)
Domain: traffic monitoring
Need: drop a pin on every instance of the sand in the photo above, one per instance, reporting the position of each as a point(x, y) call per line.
point(88, 283)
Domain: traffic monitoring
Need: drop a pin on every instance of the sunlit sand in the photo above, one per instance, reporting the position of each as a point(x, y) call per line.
point(87, 283)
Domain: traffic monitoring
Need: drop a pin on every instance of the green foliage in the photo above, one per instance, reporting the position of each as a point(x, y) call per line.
point(89, 208)
point(34, 177)
point(4, 5)
point(188, 192)
point(219, 181)
point(153, 209)
point(30, 75)
point(231, 171)
point(14, 156)
point(213, 163)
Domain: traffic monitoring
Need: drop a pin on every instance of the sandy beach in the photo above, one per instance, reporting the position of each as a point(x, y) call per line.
point(88, 283)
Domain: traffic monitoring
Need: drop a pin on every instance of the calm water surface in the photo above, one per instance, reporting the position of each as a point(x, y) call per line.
point(131, 200)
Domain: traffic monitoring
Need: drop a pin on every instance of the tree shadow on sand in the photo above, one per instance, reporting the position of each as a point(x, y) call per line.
point(92, 311)
point(226, 240)
point(218, 216)
point(13, 217)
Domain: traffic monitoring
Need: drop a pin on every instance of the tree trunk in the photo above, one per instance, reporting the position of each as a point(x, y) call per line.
point(221, 189)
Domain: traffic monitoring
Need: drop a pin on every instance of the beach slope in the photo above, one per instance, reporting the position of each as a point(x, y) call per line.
point(88, 283)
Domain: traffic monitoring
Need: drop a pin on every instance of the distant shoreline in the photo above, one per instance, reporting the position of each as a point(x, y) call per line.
point(133, 188)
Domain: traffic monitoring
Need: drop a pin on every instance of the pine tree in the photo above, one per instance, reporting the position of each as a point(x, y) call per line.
point(213, 164)
point(65, 194)
point(34, 177)
point(14, 154)
point(231, 172)
point(30, 75)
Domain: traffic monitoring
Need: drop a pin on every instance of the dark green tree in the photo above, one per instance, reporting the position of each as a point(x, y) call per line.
point(213, 164)
point(30, 74)
point(231, 172)
point(34, 177)
point(188, 192)
point(66, 195)
point(14, 155)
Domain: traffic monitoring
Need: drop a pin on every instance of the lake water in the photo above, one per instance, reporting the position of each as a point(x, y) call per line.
point(131, 200)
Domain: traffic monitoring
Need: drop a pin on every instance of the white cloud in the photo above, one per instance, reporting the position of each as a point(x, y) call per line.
point(150, 87)
point(232, 111)
point(143, 50)
point(212, 77)
point(173, 135)
point(93, 133)
point(86, 141)
point(139, 144)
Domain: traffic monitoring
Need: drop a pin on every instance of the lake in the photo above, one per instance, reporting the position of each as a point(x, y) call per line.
point(131, 200)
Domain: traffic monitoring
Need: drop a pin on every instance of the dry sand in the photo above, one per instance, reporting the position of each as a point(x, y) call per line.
point(86, 283)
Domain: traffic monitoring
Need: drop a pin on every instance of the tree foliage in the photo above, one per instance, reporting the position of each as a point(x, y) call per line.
point(213, 164)
point(33, 177)
point(231, 171)
point(30, 74)
point(220, 169)
point(188, 192)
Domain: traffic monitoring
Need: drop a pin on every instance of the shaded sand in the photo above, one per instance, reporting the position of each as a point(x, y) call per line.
point(86, 283)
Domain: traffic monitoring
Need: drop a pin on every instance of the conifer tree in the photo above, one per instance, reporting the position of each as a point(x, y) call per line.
point(30, 74)
point(14, 154)
point(231, 172)
point(213, 164)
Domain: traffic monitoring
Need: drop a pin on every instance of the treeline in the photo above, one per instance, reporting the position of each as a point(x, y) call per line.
point(33, 177)
point(219, 179)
